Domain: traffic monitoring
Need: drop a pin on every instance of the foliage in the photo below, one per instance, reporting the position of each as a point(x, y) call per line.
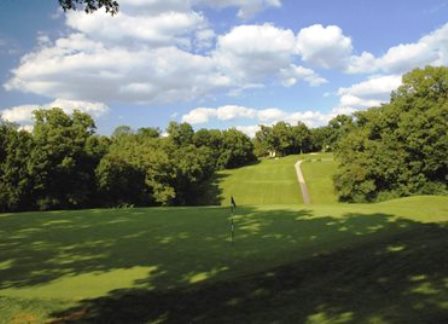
point(401, 148)
point(283, 139)
point(64, 164)
point(90, 6)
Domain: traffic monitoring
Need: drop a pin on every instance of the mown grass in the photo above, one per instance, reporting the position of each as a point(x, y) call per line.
point(318, 170)
point(272, 181)
point(382, 262)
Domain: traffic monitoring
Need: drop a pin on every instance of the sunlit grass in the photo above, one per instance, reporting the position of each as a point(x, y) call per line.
point(53, 260)
point(272, 181)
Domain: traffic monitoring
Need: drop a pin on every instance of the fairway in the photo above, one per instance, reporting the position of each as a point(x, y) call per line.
point(272, 181)
point(318, 169)
point(287, 263)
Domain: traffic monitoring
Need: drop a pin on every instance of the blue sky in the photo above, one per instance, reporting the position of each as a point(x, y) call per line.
point(214, 63)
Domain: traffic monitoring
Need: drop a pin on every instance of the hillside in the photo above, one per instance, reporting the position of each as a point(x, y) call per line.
point(270, 182)
point(274, 181)
point(178, 264)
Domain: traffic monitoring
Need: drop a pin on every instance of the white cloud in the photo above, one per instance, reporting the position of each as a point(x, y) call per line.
point(250, 130)
point(24, 114)
point(295, 73)
point(251, 54)
point(325, 47)
point(369, 93)
point(247, 8)
point(266, 116)
point(230, 112)
point(161, 29)
point(27, 128)
point(431, 49)
point(77, 67)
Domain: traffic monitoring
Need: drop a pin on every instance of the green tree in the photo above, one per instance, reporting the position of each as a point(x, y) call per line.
point(238, 149)
point(16, 183)
point(61, 168)
point(89, 6)
point(180, 134)
point(400, 148)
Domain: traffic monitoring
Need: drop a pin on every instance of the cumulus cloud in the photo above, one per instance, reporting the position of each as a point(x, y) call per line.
point(78, 67)
point(266, 116)
point(164, 28)
point(246, 8)
point(252, 52)
point(369, 93)
point(431, 49)
point(24, 114)
point(325, 47)
point(294, 74)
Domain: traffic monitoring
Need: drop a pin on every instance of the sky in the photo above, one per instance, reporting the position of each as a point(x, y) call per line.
point(214, 63)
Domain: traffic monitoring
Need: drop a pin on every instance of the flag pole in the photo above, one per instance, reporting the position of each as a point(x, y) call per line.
point(232, 225)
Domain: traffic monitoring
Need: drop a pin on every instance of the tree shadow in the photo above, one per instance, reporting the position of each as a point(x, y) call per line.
point(210, 193)
point(287, 266)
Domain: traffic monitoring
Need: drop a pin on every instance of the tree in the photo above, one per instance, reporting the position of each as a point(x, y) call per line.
point(60, 166)
point(301, 137)
point(238, 149)
point(16, 182)
point(180, 134)
point(89, 6)
point(400, 148)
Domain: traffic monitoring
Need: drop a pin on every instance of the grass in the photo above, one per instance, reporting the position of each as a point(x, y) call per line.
point(272, 181)
point(318, 170)
point(321, 263)
point(373, 263)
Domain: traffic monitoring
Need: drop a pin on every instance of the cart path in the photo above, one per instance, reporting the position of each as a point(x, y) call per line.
point(301, 179)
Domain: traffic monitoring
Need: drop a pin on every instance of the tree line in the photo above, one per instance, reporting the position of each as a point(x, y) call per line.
point(397, 149)
point(64, 164)
point(400, 148)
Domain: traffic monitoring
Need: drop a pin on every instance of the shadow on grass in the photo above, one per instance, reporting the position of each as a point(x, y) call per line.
point(210, 193)
point(288, 266)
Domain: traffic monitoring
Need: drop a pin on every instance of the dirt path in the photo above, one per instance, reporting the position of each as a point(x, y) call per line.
point(301, 179)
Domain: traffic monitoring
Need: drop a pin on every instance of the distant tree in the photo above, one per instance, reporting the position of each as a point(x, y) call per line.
point(89, 6)
point(238, 149)
point(301, 136)
point(149, 132)
point(180, 134)
point(212, 139)
point(266, 141)
point(122, 130)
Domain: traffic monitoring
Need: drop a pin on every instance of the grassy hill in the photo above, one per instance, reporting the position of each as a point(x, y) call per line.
point(321, 263)
point(274, 181)
point(337, 263)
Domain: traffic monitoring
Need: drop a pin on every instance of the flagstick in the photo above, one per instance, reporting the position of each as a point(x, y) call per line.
point(232, 227)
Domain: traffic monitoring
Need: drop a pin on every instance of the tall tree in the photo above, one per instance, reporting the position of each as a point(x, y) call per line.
point(89, 6)
point(400, 148)
point(59, 163)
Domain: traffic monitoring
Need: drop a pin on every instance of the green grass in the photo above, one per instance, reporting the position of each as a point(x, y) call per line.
point(373, 263)
point(272, 181)
point(318, 170)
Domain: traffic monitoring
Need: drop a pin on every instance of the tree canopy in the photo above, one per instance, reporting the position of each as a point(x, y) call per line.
point(89, 6)
point(400, 148)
